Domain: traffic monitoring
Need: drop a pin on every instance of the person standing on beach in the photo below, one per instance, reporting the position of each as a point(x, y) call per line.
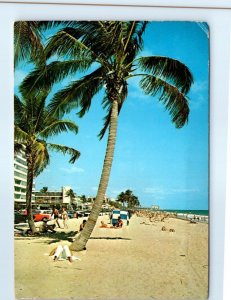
point(82, 225)
point(55, 212)
point(64, 217)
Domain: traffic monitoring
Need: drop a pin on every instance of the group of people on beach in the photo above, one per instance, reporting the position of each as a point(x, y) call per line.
point(118, 224)
point(153, 216)
point(57, 215)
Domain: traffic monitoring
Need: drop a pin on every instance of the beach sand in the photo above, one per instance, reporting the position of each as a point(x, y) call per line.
point(139, 261)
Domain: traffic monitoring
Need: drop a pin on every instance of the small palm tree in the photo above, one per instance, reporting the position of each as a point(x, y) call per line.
point(121, 198)
point(129, 198)
point(70, 193)
point(33, 126)
point(44, 189)
point(114, 47)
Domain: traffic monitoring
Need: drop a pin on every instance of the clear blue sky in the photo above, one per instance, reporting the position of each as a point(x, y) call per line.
point(161, 164)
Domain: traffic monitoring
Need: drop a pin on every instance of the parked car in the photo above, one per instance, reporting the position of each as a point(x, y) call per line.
point(86, 213)
point(71, 214)
point(42, 215)
point(79, 213)
point(19, 217)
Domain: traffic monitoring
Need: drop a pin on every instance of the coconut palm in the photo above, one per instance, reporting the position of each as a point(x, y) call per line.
point(129, 198)
point(70, 193)
point(114, 49)
point(33, 126)
point(121, 198)
point(44, 189)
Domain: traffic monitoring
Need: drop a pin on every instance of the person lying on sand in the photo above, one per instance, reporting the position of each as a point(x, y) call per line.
point(63, 253)
point(103, 225)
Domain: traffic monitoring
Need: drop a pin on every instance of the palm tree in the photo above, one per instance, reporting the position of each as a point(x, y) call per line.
point(33, 126)
point(70, 193)
point(129, 198)
point(114, 49)
point(121, 198)
point(83, 198)
point(44, 189)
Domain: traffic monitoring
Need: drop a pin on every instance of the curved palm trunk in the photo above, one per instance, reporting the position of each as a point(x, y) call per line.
point(81, 241)
point(29, 187)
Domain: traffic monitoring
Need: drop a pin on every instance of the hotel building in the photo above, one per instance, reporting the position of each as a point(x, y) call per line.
point(20, 179)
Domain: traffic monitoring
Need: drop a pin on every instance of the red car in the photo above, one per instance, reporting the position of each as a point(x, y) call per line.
point(42, 215)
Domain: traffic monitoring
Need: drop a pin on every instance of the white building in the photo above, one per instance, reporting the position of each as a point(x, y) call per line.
point(20, 179)
point(53, 197)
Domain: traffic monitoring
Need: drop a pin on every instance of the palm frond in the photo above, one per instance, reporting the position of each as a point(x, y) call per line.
point(28, 42)
point(66, 43)
point(20, 135)
point(77, 94)
point(18, 109)
point(42, 158)
point(65, 150)
point(57, 127)
point(168, 69)
point(45, 25)
point(18, 147)
point(43, 78)
point(174, 101)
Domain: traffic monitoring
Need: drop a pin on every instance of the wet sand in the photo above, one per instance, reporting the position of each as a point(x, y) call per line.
point(139, 261)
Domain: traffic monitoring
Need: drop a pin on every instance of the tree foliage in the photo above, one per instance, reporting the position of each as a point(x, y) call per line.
point(106, 55)
point(128, 199)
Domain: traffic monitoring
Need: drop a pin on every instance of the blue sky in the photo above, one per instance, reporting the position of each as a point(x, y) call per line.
point(161, 164)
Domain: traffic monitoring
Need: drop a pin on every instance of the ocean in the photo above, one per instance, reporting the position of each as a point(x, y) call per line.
point(191, 211)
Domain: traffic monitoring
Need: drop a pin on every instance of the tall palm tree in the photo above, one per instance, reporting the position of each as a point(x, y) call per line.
point(114, 49)
point(33, 126)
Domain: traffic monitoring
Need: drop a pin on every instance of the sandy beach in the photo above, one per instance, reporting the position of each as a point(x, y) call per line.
point(139, 261)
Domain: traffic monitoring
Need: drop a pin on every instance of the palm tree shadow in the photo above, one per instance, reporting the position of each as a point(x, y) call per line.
point(109, 238)
point(56, 237)
point(69, 236)
point(60, 236)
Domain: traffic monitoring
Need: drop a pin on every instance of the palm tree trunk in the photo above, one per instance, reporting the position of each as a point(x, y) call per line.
point(81, 241)
point(29, 187)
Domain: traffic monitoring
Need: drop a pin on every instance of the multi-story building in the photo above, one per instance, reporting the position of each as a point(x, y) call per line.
point(53, 197)
point(20, 179)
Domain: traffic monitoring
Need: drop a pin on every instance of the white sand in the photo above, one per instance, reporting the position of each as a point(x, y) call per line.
point(136, 262)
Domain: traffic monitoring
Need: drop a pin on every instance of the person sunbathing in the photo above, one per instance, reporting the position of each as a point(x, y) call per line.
point(62, 253)
point(119, 223)
point(103, 225)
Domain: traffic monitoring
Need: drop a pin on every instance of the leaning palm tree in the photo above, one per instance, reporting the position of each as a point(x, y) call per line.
point(33, 126)
point(114, 49)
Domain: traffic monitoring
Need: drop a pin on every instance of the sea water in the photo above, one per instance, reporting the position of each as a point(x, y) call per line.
point(195, 215)
point(191, 212)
